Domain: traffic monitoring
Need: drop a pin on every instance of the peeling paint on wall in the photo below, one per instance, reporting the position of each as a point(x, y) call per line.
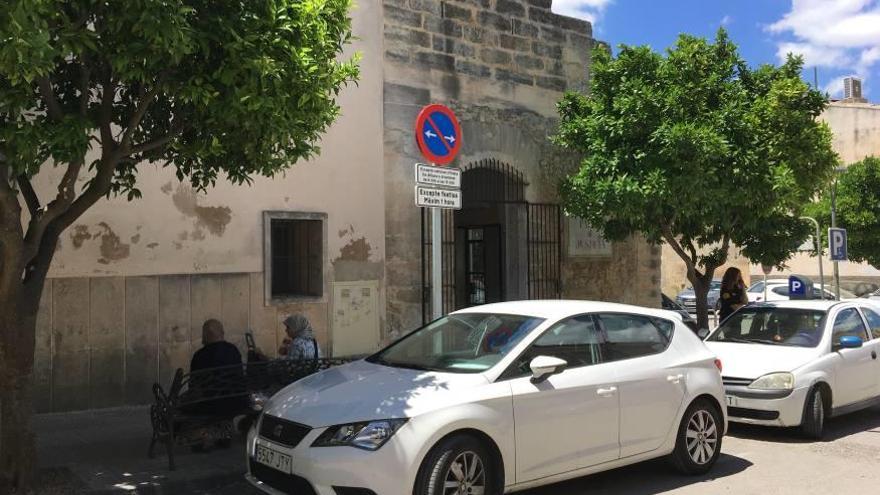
point(112, 247)
point(153, 245)
point(356, 250)
point(213, 218)
point(79, 235)
point(135, 239)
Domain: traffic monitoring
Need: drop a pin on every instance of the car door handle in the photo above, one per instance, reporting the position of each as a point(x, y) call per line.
point(606, 392)
point(674, 378)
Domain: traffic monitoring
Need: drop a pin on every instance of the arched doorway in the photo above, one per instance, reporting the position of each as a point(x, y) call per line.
point(498, 247)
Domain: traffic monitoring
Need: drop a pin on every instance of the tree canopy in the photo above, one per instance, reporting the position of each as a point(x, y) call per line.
point(858, 209)
point(696, 149)
point(95, 88)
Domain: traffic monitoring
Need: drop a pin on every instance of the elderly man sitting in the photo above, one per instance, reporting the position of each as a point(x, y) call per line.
point(225, 384)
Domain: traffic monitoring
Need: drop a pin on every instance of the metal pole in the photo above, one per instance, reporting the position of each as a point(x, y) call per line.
point(437, 262)
point(834, 225)
point(818, 246)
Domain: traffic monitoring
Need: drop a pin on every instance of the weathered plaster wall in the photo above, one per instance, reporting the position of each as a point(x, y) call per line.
point(104, 341)
point(502, 66)
point(856, 128)
point(174, 229)
point(132, 282)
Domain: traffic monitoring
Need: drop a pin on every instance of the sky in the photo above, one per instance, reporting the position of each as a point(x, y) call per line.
point(837, 37)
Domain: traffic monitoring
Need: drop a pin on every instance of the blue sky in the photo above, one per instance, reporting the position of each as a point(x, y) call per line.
point(839, 37)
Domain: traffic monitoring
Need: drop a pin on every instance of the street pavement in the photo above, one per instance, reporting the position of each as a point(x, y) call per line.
point(105, 452)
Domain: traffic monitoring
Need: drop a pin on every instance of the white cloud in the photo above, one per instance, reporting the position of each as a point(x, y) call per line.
point(726, 20)
point(835, 87)
point(823, 56)
point(589, 10)
point(837, 34)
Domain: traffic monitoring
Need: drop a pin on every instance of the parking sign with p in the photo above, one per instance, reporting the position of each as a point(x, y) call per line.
point(837, 244)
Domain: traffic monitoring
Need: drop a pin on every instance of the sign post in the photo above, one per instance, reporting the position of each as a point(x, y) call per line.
point(438, 136)
point(837, 244)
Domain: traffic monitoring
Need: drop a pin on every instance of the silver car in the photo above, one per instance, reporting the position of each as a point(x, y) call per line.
point(688, 298)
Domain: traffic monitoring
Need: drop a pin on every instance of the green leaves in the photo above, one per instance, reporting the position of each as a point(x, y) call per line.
point(241, 88)
point(858, 209)
point(697, 147)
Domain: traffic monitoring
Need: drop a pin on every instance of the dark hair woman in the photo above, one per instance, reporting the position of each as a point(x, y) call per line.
point(733, 292)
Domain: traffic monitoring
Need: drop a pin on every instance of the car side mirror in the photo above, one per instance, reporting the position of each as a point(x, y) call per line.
point(544, 367)
point(849, 342)
point(703, 333)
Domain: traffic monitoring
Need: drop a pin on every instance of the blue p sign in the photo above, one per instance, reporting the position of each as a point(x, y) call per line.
point(799, 287)
point(837, 243)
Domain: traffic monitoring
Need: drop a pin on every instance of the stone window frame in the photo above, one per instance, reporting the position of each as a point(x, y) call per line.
point(268, 216)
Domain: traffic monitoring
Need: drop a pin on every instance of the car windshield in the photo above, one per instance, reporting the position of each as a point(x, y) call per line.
point(458, 343)
point(715, 285)
point(757, 287)
point(776, 326)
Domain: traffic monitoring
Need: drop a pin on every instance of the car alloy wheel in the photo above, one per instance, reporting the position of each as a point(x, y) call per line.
point(702, 437)
point(466, 475)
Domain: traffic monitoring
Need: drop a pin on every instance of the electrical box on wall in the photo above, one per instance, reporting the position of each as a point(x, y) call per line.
point(355, 324)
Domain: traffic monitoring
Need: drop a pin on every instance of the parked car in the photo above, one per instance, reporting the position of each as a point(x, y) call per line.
point(688, 298)
point(777, 290)
point(796, 363)
point(668, 304)
point(873, 295)
point(498, 398)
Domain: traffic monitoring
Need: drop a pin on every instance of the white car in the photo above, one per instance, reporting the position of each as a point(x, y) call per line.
point(796, 363)
point(778, 291)
point(494, 399)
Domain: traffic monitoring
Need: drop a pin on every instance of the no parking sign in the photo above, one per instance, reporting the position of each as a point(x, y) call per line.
point(438, 134)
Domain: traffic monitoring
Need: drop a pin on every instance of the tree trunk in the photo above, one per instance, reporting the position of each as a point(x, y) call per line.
point(701, 293)
point(17, 442)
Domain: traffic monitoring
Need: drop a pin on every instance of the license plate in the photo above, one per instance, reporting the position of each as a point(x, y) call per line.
point(274, 459)
point(732, 401)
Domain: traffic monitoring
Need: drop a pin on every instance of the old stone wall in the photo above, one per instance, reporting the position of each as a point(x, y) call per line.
point(103, 342)
point(502, 65)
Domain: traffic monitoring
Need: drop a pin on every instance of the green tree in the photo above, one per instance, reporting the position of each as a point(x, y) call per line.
point(697, 150)
point(858, 209)
point(213, 88)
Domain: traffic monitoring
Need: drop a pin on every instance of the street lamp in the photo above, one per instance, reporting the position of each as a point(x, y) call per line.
point(837, 171)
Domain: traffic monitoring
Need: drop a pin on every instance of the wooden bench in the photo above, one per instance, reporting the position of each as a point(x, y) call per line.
point(209, 399)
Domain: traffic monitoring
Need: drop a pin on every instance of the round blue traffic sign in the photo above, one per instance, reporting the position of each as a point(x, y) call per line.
point(438, 134)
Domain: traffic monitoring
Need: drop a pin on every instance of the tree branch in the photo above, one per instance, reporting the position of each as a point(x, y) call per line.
point(52, 106)
point(676, 246)
point(137, 116)
point(106, 116)
point(30, 196)
point(85, 92)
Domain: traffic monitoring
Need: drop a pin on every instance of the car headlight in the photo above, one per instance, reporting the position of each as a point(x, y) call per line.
point(368, 435)
point(774, 381)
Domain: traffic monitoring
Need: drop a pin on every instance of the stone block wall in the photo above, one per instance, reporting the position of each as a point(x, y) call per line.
point(103, 342)
point(510, 41)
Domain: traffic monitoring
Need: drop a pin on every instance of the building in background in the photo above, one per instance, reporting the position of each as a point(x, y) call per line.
point(339, 238)
point(855, 124)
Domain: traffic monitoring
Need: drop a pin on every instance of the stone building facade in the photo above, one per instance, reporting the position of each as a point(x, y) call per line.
point(133, 282)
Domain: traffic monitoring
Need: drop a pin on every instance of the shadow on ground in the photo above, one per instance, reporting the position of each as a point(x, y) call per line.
point(646, 478)
point(867, 420)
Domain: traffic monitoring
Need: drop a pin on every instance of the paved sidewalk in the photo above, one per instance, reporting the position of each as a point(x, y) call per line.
point(105, 452)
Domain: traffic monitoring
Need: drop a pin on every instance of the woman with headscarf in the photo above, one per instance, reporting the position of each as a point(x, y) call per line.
point(300, 343)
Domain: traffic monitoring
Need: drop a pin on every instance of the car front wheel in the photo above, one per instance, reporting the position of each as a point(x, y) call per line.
point(813, 424)
point(459, 465)
point(699, 438)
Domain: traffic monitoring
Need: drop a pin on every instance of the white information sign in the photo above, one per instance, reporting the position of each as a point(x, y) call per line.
point(584, 241)
point(435, 197)
point(438, 176)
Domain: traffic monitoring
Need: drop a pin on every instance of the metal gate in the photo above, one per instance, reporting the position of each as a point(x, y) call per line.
point(486, 183)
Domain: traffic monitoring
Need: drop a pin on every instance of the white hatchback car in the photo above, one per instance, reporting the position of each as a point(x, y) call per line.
point(778, 291)
point(494, 399)
point(795, 363)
